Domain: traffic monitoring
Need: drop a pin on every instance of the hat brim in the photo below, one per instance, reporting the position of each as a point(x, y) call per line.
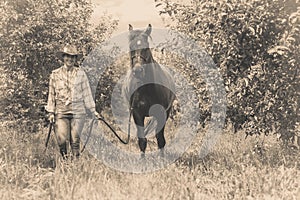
point(60, 55)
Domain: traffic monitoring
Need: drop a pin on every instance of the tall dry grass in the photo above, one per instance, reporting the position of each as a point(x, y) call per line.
point(238, 168)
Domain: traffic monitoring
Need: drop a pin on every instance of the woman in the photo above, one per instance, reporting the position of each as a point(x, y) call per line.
point(69, 100)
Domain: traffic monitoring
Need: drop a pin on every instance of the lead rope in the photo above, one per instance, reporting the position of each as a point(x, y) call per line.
point(115, 133)
point(112, 130)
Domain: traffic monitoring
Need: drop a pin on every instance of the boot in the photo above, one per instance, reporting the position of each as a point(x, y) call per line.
point(75, 149)
point(63, 150)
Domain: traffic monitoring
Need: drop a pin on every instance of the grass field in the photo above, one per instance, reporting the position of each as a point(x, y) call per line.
point(238, 168)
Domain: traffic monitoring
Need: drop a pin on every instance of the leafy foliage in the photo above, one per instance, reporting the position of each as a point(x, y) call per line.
point(256, 46)
point(32, 31)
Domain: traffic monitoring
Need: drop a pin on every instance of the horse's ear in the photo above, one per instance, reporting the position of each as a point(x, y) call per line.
point(130, 27)
point(149, 29)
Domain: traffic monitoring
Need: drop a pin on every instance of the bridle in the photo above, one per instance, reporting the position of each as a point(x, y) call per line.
point(138, 57)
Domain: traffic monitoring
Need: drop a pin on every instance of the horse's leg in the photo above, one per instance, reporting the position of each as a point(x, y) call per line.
point(160, 132)
point(160, 137)
point(142, 140)
point(161, 141)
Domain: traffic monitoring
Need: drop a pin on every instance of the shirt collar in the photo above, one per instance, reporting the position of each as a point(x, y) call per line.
point(66, 68)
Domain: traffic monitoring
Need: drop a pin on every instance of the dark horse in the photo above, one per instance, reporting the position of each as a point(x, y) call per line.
point(153, 89)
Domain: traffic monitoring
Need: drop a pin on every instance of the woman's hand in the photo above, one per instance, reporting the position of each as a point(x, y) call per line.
point(97, 115)
point(51, 118)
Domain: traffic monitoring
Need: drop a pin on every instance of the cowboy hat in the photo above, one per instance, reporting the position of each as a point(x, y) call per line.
point(69, 50)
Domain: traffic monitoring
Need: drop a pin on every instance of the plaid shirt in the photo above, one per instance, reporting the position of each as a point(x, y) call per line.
point(69, 92)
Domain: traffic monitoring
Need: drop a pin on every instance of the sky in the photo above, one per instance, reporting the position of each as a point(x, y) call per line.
point(138, 13)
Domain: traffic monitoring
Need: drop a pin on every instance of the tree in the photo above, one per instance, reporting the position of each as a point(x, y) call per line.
point(32, 31)
point(256, 46)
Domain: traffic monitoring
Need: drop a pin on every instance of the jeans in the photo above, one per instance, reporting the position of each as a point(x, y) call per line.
point(69, 127)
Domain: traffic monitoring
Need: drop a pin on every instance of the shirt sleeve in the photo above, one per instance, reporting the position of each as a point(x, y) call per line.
point(87, 93)
point(51, 96)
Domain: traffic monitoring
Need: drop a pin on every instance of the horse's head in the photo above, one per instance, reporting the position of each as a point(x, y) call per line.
point(140, 53)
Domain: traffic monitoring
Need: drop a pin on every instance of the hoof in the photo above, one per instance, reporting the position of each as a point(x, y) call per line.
point(143, 155)
point(162, 152)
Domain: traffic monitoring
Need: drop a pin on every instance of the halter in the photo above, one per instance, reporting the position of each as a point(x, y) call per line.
point(137, 57)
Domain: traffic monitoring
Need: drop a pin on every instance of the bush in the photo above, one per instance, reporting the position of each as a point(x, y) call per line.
point(256, 46)
point(31, 34)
